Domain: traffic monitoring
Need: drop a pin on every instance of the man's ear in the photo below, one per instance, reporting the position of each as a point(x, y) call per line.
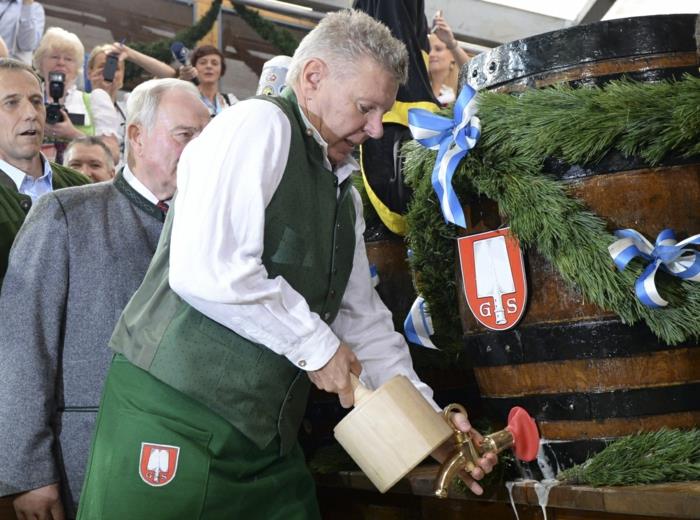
point(134, 134)
point(312, 73)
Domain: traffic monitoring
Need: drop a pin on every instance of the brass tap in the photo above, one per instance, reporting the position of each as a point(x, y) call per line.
point(467, 452)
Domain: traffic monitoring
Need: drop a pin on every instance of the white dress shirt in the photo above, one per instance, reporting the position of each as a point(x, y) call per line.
point(226, 178)
point(138, 186)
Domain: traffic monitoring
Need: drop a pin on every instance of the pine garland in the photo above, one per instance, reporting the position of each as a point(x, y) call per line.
point(160, 49)
point(578, 126)
point(644, 458)
point(280, 38)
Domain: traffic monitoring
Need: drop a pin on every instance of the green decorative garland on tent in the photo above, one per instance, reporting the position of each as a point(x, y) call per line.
point(644, 458)
point(280, 38)
point(578, 126)
point(160, 49)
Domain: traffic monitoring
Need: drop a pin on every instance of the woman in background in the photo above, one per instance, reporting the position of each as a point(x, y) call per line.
point(208, 66)
point(83, 114)
point(444, 61)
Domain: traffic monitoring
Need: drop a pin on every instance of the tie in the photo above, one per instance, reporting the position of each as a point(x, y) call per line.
point(163, 206)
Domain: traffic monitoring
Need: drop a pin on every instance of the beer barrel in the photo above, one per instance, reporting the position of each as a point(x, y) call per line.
point(646, 48)
point(583, 374)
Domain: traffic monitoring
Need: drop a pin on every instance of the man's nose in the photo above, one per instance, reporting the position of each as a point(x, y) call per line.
point(29, 110)
point(374, 127)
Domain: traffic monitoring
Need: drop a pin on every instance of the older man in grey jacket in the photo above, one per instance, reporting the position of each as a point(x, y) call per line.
point(78, 258)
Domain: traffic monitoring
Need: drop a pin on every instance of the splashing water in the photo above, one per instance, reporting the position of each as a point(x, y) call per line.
point(547, 461)
point(542, 490)
point(509, 487)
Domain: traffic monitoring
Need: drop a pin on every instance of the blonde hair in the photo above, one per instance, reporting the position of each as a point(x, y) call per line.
point(452, 78)
point(96, 51)
point(56, 38)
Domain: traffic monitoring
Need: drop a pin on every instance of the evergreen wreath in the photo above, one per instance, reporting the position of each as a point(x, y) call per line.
point(577, 126)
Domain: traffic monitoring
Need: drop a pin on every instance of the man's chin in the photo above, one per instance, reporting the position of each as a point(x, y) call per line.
point(338, 158)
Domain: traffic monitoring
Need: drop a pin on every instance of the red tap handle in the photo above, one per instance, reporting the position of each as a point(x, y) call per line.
point(526, 439)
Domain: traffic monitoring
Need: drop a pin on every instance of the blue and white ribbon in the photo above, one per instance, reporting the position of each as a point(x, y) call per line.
point(418, 326)
point(374, 275)
point(453, 138)
point(665, 254)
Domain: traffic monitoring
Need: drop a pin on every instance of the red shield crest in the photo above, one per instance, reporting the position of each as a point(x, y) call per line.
point(158, 463)
point(493, 277)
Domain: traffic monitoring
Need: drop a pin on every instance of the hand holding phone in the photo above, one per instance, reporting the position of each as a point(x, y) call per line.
point(438, 14)
point(110, 67)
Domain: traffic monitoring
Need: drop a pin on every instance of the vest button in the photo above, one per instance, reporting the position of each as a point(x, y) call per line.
point(309, 132)
point(332, 293)
point(334, 271)
point(302, 363)
point(326, 316)
point(25, 204)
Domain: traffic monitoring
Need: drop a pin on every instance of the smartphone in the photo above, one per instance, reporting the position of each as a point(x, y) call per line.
point(110, 67)
point(434, 27)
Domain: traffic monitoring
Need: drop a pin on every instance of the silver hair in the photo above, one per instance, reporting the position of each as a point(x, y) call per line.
point(144, 100)
point(345, 37)
point(56, 38)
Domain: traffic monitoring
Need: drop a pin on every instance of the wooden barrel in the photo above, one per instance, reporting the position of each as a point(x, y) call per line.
point(585, 376)
point(647, 48)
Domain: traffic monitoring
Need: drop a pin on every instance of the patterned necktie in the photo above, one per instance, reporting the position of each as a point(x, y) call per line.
point(163, 206)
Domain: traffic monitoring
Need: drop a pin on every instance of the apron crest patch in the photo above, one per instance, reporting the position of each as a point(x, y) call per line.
point(158, 463)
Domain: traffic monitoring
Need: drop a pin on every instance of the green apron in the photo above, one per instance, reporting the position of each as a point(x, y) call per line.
point(211, 471)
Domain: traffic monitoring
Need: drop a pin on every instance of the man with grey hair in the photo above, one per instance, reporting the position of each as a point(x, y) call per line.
point(77, 260)
point(259, 286)
point(90, 156)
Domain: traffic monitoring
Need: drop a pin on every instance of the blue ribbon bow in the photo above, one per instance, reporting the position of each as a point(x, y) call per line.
point(666, 254)
point(453, 138)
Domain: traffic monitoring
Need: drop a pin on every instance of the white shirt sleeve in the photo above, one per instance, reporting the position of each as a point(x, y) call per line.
point(365, 323)
point(30, 27)
point(226, 178)
point(105, 116)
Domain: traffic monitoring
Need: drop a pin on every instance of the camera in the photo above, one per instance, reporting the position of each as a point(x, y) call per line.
point(110, 67)
point(57, 81)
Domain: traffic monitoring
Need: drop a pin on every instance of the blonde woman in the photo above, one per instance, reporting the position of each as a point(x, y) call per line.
point(444, 61)
point(83, 114)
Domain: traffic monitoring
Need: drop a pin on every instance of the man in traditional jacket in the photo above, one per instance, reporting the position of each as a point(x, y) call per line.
point(77, 260)
point(25, 174)
point(260, 284)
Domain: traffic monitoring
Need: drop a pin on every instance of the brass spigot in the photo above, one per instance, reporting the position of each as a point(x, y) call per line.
point(467, 452)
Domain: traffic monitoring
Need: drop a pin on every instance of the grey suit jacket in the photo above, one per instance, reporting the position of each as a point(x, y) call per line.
point(78, 258)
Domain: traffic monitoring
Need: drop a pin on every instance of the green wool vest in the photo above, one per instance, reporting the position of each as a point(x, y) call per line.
point(309, 241)
point(14, 206)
